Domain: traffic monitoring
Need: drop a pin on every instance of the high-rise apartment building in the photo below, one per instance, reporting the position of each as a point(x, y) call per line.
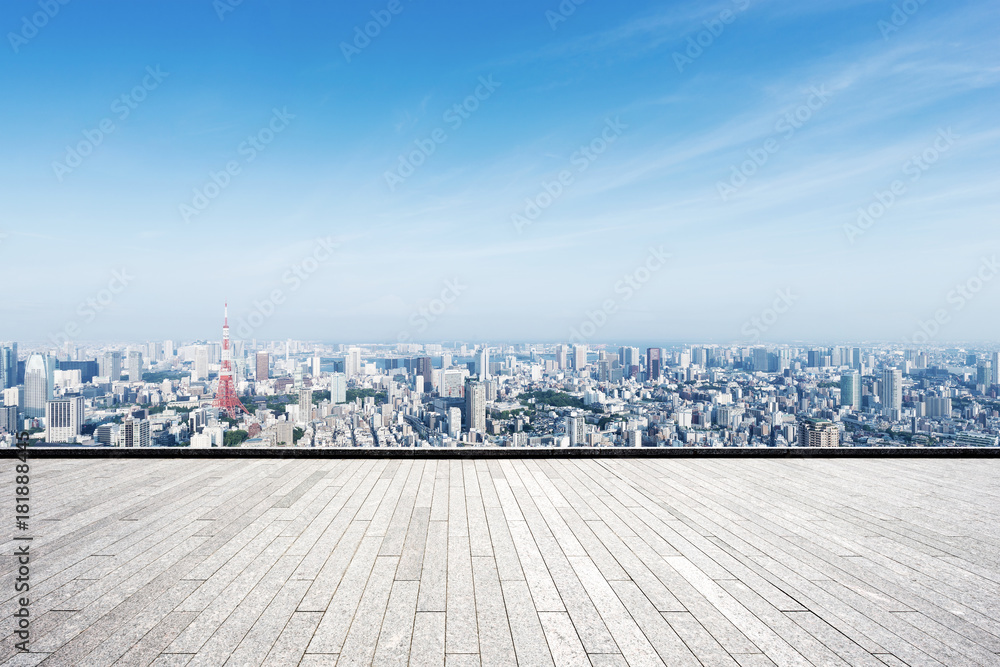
point(135, 433)
point(305, 405)
point(64, 418)
point(654, 367)
point(892, 393)
point(850, 390)
point(937, 406)
point(579, 357)
point(454, 422)
point(818, 433)
point(475, 406)
point(576, 429)
point(338, 388)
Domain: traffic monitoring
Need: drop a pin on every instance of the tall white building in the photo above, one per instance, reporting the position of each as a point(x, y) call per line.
point(305, 405)
point(576, 429)
point(14, 396)
point(628, 357)
point(483, 363)
point(561, 354)
point(135, 366)
point(892, 393)
point(475, 406)
point(454, 422)
point(352, 362)
point(453, 382)
point(110, 365)
point(63, 418)
point(338, 388)
point(579, 357)
point(317, 362)
point(201, 363)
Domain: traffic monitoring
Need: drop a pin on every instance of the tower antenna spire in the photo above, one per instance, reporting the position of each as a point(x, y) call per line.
point(225, 395)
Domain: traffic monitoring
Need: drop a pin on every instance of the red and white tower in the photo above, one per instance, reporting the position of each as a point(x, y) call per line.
point(225, 395)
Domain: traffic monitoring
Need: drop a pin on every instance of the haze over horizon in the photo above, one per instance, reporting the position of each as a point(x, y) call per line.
point(354, 193)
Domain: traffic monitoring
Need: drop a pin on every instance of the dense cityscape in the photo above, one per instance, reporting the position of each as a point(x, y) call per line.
point(302, 394)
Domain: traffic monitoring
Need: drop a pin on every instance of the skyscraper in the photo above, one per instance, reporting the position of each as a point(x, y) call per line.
point(316, 365)
point(39, 374)
point(475, 405)
point(262, 367)
point(561, 352)
point(995, 360)
point(305, 405)
point(111, 365)
point(201, 363)
point(135, 366)
point(892, 393)
point(338, 388)
point(579, 357)
point(454, 422)
point(8, 366)
point(628, 356)
point(654, 369)
point(352, 363)
point(575, 429)
point(425, 370)
point(984, 373)
point(483, 363)
point(850, 390)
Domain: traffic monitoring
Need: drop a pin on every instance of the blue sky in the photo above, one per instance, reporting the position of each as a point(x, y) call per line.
point(870, 95)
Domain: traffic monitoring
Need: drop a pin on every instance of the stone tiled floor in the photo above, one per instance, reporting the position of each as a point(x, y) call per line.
point(501, 562)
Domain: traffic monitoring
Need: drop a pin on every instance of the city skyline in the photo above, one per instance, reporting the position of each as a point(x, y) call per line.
point(868, 160)
point(555, 332)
